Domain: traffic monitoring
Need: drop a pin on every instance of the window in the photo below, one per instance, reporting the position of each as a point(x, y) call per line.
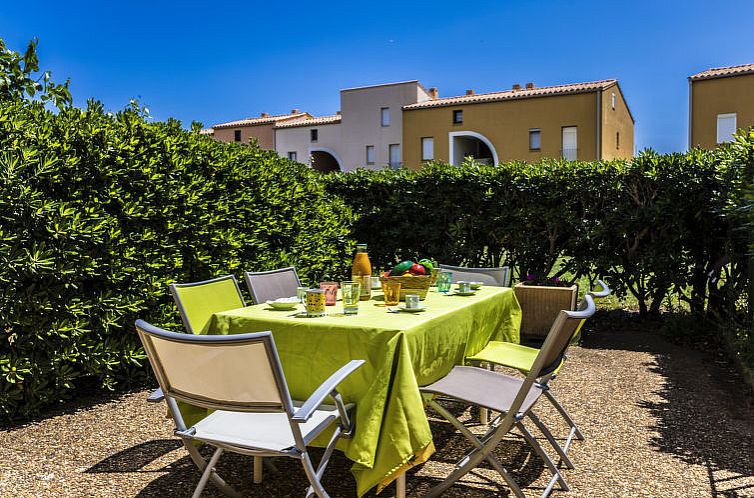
point(394, 153)
point(314, 135)
point(535, 139)
point(457, 117)
point(293, 156)
point(570, 143)
point(237, 135)
point(385, 116)
point(612, 99)
point(726, 127)
point(428, 148)
point(617, 140)
point(370, 154)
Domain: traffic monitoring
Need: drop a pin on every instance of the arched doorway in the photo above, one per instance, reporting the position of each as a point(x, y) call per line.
point(324, 160)
point(470, 144)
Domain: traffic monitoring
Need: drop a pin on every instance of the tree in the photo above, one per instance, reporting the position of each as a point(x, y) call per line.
point(20, 78)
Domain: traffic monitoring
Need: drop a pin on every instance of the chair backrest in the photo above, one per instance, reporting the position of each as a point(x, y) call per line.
point(601, 293)
point(497, 277)
point(198, 301)
point(566, 325)
point(239, 372)
point(273, 284)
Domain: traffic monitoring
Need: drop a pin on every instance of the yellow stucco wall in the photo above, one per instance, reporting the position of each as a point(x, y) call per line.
point(263, 133)
point(616, 121)
point(506, 124)
point(720, 96)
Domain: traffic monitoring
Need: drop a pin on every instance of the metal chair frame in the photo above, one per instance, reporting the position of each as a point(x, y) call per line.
point(549, 356)
point(501, 275)
point(296, 415)
point(249, 277)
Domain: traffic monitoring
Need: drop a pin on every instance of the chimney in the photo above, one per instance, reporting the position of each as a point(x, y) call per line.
point(469, 92)
point(516, 87)
point(433, 93)
point(265, 115)
point(337, 113)
point(530, 86)
point(295, 111)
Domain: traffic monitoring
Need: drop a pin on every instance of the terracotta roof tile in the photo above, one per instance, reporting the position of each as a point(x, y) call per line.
point(523, 93)
point(721, 72)
point(261, 120)
point(321, 120)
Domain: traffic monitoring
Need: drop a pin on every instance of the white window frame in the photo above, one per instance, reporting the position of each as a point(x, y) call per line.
point(428, 148)
point(392, 164)
point(612, 100)
point(572, 153)
point(384, 116)
point(538, 133)
point(726, 134)
point(369, 154)
point(292, 155)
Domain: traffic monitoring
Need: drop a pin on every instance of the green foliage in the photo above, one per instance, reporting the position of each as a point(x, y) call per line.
point(653, 227)
point(99, 213)
point(19, 78)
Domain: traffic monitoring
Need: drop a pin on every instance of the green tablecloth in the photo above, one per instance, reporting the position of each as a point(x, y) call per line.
point(402, 351)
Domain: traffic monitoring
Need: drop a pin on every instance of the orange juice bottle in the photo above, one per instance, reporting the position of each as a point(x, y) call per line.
point(361, 271)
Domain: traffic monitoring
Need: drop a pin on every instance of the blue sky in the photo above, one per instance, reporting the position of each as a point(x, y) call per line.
point(220, 61)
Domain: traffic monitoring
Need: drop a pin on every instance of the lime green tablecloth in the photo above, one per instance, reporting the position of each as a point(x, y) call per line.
point(402, 351)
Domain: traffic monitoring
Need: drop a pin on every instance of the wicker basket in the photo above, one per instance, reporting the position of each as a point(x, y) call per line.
point(411, 285)
point(540, 305)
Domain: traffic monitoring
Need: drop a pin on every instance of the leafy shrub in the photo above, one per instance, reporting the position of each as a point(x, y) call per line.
point(98, 213)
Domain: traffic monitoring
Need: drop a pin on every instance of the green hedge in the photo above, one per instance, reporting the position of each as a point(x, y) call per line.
point(98, 213)
point(654, 227)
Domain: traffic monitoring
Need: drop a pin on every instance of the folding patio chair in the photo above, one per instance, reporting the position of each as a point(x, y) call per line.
point(497, 277)
point(521, 358)
point(198, 301)
point(240, 377)
point(512, 397)
point(273, 284)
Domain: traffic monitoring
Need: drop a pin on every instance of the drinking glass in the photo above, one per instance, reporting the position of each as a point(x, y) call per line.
point(444, 281)
point(331, 292)
point(301, 294)
point(392, 291)
point(315, 302)
point(351, 292)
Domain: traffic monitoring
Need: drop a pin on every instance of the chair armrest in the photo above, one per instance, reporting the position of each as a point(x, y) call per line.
point(329, 386)
point(156, 396)
point(603, 293)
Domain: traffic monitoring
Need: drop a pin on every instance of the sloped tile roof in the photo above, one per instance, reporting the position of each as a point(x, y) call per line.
point(261, 120)
point(523, 93)
point(721, 72)
point(321, 120)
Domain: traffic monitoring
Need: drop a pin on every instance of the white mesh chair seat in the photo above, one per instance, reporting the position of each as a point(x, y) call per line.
point(261, 431)
point(484, 388)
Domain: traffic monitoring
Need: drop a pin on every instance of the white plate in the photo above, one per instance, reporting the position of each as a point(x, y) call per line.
point(285, 303)
point(402, 307)
point(459, 293)
point(476, 285)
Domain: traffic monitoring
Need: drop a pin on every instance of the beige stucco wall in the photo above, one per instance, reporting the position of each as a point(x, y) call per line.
point(720, 96)
point(361, 124)
point(506, 124)
point(263, 133)
point(298, 140)
point(614, 121)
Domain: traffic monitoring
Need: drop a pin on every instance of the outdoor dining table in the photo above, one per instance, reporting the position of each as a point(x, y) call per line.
point(402, 351)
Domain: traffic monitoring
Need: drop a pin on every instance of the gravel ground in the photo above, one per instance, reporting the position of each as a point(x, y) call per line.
point(660, 420)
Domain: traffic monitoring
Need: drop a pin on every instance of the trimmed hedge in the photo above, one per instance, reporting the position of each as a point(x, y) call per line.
point(98, 213)
point(654, 227)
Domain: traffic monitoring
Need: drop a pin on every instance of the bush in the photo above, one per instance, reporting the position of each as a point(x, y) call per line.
point(98, 213)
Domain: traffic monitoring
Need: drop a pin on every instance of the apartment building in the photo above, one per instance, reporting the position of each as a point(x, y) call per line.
point(721, 101)
point(366, 132)
point(260, 128)
point(582, 121)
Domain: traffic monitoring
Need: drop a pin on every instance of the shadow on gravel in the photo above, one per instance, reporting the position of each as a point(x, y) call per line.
point(704, 417)
point(135, 458)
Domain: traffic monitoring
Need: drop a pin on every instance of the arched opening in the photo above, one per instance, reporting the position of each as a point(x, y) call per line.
point(324, 161)
point(471, 144)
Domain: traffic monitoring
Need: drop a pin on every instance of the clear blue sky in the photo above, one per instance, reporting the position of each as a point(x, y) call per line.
point(219, 61)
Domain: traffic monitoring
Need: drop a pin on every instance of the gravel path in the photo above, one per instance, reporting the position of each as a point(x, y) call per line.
point(660, 420)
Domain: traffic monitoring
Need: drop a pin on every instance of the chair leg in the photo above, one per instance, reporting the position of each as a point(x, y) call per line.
point(563, 413)
point(201, 464)
point(315, 486)
point(400, 486)
point(208, 470)
point(258, 473)
point(556, 475)
point(562, 453)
